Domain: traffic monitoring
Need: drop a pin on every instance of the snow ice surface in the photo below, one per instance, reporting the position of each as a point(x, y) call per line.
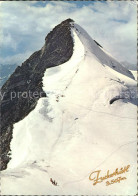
point(75, 130)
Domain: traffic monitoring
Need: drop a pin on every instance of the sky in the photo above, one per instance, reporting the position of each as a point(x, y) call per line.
point(25, 24)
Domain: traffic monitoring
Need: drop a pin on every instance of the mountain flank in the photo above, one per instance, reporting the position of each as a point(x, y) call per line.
point(20, 93)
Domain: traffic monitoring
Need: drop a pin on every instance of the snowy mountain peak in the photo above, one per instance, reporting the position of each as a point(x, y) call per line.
point(75, 129)
point(104, 76)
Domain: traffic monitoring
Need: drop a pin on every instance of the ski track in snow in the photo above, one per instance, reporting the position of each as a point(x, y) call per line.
point(105, 160)
point(91, 110)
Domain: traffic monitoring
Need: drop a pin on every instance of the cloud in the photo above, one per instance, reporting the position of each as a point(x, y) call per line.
point(25, 25)
point(16, 59)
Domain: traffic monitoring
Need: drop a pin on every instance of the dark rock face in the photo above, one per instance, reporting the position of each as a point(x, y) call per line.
point(97, 43)
point(24, 87)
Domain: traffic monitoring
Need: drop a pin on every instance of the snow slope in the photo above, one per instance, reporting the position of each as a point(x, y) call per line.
point(75, 130)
